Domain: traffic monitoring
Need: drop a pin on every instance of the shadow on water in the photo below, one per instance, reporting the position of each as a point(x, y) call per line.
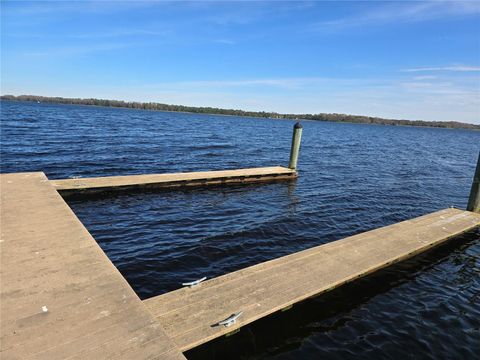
point(93, 195)
point(287, 331)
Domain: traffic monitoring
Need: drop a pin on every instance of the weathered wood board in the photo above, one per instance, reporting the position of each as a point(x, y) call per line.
point(117, 183)
point(61, 297)
point(188, 314)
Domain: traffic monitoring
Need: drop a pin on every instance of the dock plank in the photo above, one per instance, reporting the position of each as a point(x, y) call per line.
point(49, 259)
point(188, 314)
point(202, 178)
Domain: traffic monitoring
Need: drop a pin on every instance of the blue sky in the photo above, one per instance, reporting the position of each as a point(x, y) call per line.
point(408, 59)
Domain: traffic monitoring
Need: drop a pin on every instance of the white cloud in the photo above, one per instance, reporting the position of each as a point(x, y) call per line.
point(42, 7)
point(224, 41)
point(401, 97)
point(122, 33)
point(286, 83)
point(456, 68)
point(409, 11)
point(433, 98)
point(74, 50)
point(424, 77)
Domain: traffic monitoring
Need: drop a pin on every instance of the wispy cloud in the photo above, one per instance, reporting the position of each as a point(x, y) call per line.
point(42, 7)
point(122, 33)
point(400, 96)
point(455, 68)
point(439, 97)
point(224, 41)
point(426, 82)
point(424, 77)
point(394, 12)
point(76, 50)
point(104, 34)
point(280, 83)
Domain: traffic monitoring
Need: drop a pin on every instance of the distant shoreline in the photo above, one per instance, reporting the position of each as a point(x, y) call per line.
point(342, 118)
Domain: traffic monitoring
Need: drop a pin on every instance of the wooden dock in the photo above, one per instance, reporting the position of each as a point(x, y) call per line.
point(189, 315)
point(118, 183)
point(61, 297)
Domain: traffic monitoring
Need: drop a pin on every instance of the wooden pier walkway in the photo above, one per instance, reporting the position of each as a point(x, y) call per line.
point(61, 297)
point(189, 315)
point(117, 183)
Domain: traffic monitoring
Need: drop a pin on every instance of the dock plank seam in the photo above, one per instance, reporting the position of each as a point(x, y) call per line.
point(299, 276)
point(61, 296)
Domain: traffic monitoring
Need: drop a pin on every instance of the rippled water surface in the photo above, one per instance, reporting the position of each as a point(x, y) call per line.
point(353, 178)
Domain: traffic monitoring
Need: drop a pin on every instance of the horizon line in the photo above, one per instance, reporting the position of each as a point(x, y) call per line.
point(227, 109)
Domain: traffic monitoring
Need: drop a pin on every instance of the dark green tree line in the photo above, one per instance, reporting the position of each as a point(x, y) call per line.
point(262, 114)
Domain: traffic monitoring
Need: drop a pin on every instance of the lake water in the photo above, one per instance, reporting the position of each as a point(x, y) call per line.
point(352, 178)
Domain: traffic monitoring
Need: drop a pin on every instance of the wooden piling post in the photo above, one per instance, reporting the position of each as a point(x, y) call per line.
point(474, 198)
point(296, 139)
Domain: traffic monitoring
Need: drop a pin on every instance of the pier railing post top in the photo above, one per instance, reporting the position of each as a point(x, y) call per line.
point(297, 125)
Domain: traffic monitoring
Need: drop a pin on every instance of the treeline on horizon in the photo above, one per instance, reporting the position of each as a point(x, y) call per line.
point(359, 119)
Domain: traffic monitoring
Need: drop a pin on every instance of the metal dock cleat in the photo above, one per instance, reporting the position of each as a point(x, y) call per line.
point(232, 319)
point(193, 283)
